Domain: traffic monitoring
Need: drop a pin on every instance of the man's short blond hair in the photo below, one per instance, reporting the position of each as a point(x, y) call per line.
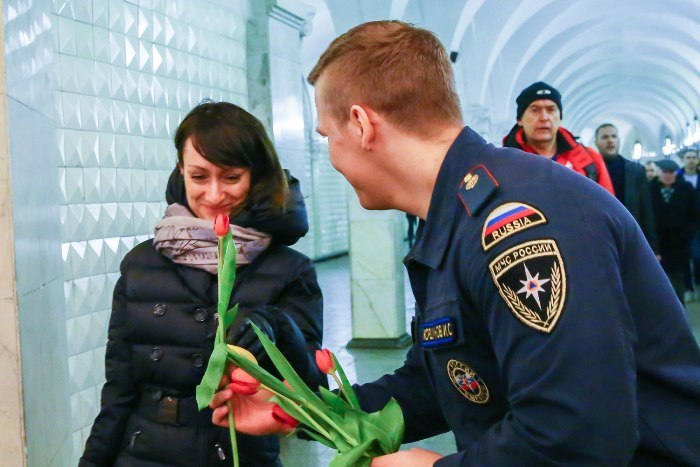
point(396, 69)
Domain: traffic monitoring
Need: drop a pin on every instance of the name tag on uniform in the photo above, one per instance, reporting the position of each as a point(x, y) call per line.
point(439, 332)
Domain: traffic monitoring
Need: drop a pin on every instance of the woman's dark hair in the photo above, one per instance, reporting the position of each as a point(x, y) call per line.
point(228, 136)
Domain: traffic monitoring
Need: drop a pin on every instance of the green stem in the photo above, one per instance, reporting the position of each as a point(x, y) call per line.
point(313, 422)
point(352, 441)
point(232, 434)
point(341, 387)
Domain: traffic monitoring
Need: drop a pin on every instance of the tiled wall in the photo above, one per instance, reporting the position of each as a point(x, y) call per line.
point(38, 278)
point(96, 89)
point(126, 74)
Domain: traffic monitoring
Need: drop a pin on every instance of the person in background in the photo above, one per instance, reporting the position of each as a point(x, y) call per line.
point(546, 332)
point(163, 322)
point(652, 171)
point(689, 172)
point(677, 215)
point(629, 181)
point(412, 221)
point(538, 131)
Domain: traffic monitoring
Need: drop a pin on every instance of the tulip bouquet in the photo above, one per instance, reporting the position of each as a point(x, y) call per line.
point(334, 419)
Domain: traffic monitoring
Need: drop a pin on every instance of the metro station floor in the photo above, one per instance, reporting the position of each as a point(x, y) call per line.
point(365, 365)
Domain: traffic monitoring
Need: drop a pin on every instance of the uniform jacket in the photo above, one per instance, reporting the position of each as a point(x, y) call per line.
point(546, 332)
point(160, 337)
point(676, 221)
point(576, 156)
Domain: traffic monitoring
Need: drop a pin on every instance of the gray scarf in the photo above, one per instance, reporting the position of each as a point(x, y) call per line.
point(186, 239)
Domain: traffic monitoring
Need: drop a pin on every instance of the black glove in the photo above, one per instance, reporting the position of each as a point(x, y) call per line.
point(241, 333)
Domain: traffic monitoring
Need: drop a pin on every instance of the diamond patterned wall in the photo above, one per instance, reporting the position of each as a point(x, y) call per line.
point(126, 73)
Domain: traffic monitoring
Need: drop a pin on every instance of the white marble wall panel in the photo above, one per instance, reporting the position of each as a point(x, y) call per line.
point(377, 281)
point(127, 73)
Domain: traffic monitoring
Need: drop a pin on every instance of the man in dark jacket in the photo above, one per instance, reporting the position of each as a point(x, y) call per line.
point(676, 210)
point(689, 172)
point(538, 131)
point(546, 332)
point(629, 181)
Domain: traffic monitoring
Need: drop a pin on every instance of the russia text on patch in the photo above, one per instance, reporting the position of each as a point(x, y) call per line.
point(508, 219)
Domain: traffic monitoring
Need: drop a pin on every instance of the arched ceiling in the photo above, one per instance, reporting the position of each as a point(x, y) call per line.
point(633, 62)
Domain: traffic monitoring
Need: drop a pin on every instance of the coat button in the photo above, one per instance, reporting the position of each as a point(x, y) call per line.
point(159, 309)
point(201, 315)
point(197, 360)
point(156, 354)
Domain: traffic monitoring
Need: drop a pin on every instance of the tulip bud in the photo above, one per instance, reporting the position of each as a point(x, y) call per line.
point(283, 417)
point(243, 383)
point(324, 361)
point(221, 225)
point(245, 353)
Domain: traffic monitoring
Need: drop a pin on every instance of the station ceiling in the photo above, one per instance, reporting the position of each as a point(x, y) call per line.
point(635, 63)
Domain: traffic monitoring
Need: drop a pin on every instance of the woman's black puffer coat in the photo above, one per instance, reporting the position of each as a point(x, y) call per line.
point(161, 334)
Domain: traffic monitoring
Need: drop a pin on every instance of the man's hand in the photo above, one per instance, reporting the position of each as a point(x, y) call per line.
point(252, 414)
point(415, 457)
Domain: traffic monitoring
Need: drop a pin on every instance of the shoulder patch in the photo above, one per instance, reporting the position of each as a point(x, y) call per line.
point(508, 219)
point(476, 188)
point(531, 278)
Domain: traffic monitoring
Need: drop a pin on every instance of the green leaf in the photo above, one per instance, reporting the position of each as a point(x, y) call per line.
point(262, 375)
point(212, 376)
point(334, 401)
point(302, 416)
point(353, 401)
point(390, 421)
point(287, 372)
point(355, 457)
point(227, 272)
point(317, 437)
point(229, 316)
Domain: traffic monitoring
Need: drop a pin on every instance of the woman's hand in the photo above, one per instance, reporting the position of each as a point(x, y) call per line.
point(415, 457)
point(252, 414)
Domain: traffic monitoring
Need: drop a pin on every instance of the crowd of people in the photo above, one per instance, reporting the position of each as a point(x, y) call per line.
point(662, 197)
point(564, 342)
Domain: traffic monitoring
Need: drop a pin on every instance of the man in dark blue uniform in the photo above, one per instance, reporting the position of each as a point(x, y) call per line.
point(546, 332)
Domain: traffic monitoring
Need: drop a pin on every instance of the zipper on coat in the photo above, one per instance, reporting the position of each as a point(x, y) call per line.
point(134, 435)
point(220, 452)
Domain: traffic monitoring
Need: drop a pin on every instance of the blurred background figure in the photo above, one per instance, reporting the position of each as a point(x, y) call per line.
point(538, 131)
point(651, 170)
point(689, 172)
point(629, 181)
point(676, 210)
point(412, 221)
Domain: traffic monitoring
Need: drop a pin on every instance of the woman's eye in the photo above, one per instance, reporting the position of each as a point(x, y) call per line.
point(197, 177)
point(233, 178)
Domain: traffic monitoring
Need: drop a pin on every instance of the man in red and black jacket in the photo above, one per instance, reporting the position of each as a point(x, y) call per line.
point(538, 132)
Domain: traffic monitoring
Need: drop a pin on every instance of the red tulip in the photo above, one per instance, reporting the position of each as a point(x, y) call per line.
point(243, 383)
point(221, 225)
point(324, 361)
point(283, 417)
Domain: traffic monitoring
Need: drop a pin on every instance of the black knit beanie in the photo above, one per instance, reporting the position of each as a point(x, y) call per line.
point(537, 91)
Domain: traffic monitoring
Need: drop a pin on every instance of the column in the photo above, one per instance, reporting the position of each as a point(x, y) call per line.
point(275, 85)
point(377, 277)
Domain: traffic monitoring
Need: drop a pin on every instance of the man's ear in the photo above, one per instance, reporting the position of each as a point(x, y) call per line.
point(360, 120)
point(520, 123)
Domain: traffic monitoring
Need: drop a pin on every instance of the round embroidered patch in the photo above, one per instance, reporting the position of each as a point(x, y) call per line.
point(467, 382)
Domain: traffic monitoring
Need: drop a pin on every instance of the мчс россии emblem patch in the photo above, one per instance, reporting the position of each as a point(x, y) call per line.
point(531, 279)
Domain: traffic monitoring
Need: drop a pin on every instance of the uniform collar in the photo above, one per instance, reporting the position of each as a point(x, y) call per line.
point(436, 232)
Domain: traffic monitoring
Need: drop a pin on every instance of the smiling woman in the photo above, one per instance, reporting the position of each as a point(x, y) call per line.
point(163, 320)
